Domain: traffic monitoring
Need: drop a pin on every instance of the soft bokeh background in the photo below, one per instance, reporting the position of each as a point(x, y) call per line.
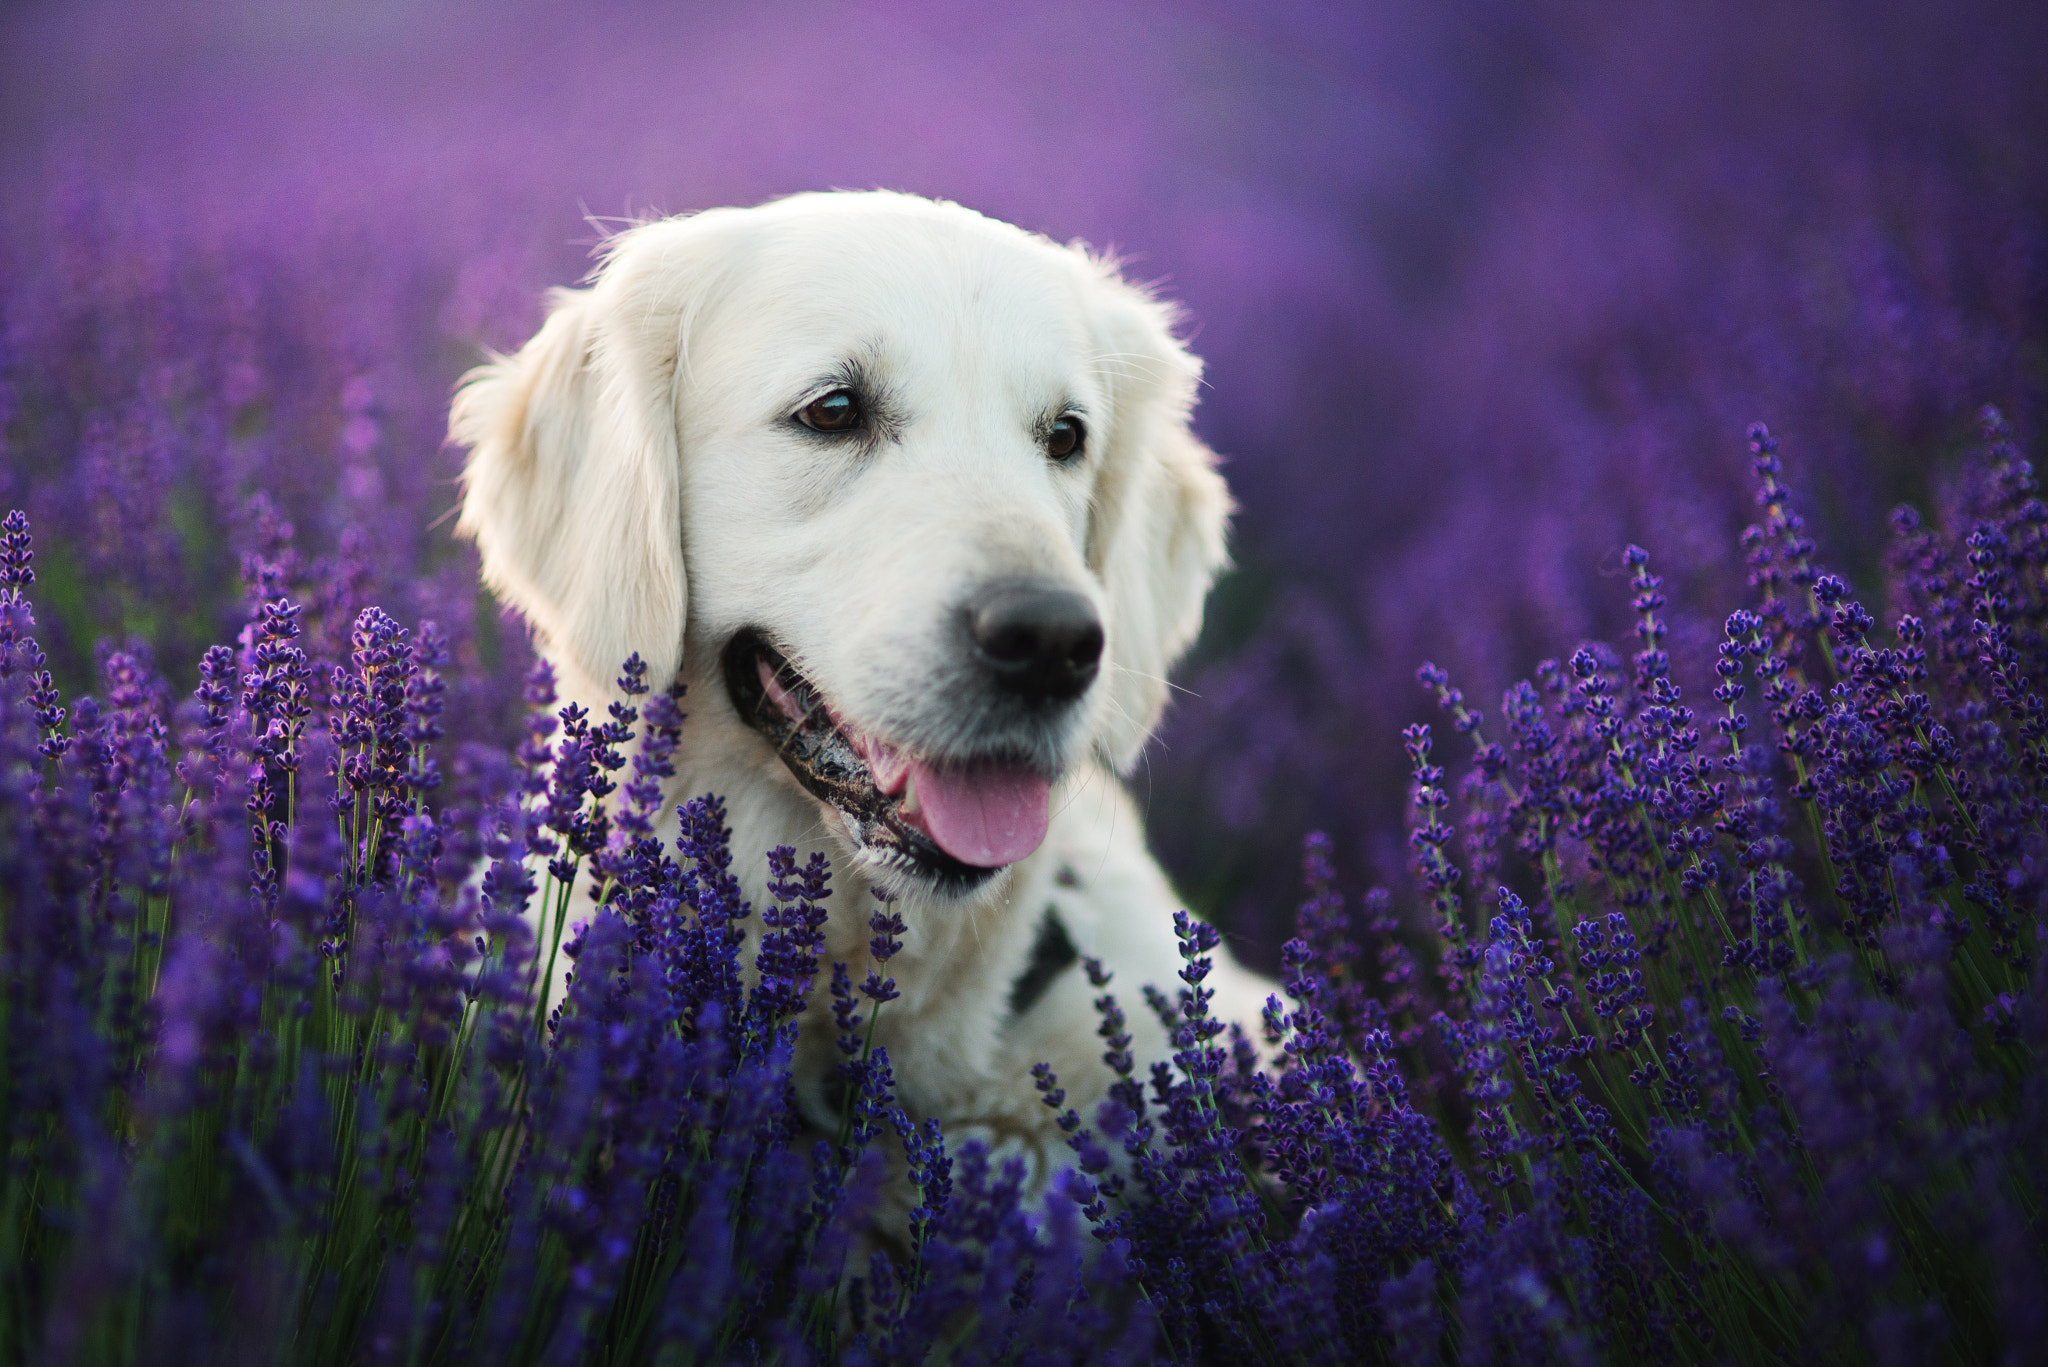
point(1487, 291)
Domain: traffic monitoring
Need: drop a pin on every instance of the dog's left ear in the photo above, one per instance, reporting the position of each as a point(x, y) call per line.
point(1160, 511)
point(572, 487)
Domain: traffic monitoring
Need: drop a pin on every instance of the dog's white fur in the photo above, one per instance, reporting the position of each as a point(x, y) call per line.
point(635, 483)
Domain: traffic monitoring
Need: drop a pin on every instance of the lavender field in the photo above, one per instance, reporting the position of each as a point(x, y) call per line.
point(1677, 998)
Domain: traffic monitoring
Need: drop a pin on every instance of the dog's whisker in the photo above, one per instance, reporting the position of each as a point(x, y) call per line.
point(1159, 679)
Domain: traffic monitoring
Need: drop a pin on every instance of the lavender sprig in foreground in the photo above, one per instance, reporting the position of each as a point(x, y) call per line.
point(278, 1086)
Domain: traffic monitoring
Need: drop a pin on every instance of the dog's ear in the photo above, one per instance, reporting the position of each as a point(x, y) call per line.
point(1160, 512)
point(572, 489)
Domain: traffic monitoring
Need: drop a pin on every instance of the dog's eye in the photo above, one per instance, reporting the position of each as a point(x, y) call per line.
point(1063, 441)
point(836, 410)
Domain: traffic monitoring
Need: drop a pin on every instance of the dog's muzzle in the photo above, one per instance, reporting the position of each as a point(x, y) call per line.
point(952, 821)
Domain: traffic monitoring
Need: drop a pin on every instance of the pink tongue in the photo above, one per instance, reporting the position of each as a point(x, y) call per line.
point(985, 816)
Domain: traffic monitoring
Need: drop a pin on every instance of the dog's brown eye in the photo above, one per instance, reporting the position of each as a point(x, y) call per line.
point(837, 410)
point(1063, 441)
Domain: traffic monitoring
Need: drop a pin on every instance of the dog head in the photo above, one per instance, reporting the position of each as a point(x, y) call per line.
point(909, 493)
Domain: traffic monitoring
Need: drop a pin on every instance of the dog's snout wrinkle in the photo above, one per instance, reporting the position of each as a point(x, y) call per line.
point(1037, 640)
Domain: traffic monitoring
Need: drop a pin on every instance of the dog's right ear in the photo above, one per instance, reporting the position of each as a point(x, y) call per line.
point(572, 489)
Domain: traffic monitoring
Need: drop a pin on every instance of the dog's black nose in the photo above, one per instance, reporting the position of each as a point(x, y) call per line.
point(1041, 643)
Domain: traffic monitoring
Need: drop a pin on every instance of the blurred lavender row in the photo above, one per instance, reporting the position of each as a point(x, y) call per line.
point(1487, 292)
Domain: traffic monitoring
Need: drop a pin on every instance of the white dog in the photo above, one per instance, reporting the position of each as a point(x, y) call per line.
point(909, 498)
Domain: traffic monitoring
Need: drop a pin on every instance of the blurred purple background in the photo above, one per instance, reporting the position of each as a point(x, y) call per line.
point(1486, 291)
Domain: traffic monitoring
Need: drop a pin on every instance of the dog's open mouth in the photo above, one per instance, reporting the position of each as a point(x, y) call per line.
point(952, 822)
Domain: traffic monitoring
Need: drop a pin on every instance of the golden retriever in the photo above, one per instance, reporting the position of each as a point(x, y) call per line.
point(909, 498)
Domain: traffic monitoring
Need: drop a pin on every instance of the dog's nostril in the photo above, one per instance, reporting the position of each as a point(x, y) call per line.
point(1042, 642)
point(1005, 639)
point(1087, 647)
point(1086, 650)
